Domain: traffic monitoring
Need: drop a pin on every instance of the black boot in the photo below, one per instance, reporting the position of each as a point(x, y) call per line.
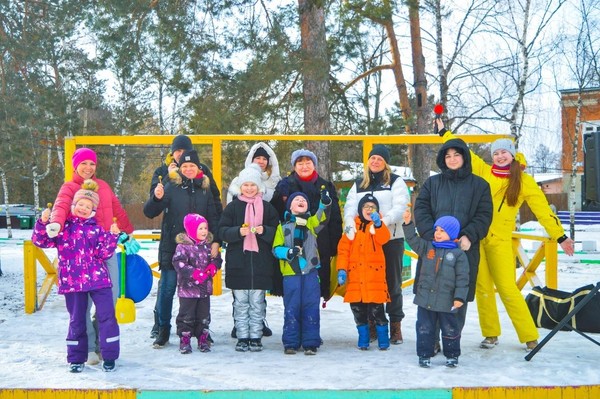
point(163, 337)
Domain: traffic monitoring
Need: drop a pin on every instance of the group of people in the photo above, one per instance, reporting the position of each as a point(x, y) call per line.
point(284, 235)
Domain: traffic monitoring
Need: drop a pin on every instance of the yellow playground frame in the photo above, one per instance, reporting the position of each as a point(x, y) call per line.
point(34, 299)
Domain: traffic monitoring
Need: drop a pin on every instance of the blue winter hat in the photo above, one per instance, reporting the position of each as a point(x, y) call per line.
point(303, 153)
point(294, 195)
point(450, 224)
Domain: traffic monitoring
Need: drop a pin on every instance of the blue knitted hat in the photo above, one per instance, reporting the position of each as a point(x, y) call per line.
point(303, 153)
point(450, 224)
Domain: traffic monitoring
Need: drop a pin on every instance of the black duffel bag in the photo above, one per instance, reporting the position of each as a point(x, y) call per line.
point(548, 307)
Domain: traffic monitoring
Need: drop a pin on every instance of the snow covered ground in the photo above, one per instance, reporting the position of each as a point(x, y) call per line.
point(33, 354)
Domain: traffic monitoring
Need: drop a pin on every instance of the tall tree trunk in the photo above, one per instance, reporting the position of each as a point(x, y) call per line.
point(315, 72)
point(420, 155)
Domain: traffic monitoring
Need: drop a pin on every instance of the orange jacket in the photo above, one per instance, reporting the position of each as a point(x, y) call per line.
point(364, 262)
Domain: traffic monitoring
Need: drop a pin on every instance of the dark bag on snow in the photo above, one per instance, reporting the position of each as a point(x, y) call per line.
point(548, 307)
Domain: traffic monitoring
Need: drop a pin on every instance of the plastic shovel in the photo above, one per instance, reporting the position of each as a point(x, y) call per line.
point(125, 307)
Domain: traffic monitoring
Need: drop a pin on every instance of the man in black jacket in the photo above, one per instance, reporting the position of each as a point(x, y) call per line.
point(179, 145)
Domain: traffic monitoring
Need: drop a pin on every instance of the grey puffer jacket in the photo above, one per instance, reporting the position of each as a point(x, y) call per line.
point(443, 276)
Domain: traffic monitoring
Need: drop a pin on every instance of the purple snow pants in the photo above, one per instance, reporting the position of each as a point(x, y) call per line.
point(77, 339)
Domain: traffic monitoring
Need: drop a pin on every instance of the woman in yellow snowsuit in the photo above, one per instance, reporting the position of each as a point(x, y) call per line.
point(509, 187)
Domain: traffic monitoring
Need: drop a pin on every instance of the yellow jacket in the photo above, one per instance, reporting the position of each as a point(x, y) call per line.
point(504, 216)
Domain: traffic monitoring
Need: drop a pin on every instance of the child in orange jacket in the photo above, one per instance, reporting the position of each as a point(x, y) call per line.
point(361, 265)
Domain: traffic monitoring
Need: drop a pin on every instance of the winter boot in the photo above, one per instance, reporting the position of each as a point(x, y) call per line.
point(76, 367)
point(255, 345)
point(424, 362)
point(489, 343)
point(163, 337)
point(395, 333)
point(363, 337)
point(451, 362)
point(185, 345)
point(154, 332)
point(383, 339)
point(372, 331)
point(203, 343)
point(109, 366)
point(243, 345)
point(310, 350)
point(267, 332)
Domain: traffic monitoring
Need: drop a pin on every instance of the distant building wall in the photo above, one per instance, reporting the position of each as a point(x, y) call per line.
point(590, 112)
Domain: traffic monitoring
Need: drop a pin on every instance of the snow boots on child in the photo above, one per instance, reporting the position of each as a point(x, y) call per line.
point(185, 343)
point(363, 337)
point(203, 342)
point(383, 339)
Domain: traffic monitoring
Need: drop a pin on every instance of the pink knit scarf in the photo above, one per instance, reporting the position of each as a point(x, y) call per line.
point(253, 217)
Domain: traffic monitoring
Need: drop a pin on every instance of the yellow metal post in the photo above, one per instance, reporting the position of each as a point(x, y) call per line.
point(69, 150)
point(551, 253)
point(29, 277)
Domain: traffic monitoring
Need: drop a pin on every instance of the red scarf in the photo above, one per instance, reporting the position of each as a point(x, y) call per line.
point(501, 171)
point(252, 217)
point(311, 178)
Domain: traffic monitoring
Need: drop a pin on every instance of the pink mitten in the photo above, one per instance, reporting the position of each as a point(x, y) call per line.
point(211, 269)
point(199, 275)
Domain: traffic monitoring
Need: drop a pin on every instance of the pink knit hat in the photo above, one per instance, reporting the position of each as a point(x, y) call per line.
point(88, 191)
point(83, 154)
point(191, 222)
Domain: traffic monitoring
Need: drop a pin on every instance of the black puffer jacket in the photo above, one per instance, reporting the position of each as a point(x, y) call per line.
point(163, 172)
point(457, 193)
point(247, 270)
point(182, 196)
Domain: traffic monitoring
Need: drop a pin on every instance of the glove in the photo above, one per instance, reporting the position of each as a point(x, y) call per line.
point(131, 245)
point(325, 198)
point(350, 231)
point(200, 275)
point(376, 219)
point(211, 269)
point(342, 276)
point(283, 187)
point(292, 253)
point(52, 229)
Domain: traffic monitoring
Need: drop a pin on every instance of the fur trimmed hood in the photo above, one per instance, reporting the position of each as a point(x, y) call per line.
point(184, 238)
point(202, 180)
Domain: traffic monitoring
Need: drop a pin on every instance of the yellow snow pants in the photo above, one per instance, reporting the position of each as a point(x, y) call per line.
point(497, 267)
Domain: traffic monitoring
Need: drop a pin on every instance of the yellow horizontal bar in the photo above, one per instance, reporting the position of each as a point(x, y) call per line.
point(208, 139)
point(524, 236)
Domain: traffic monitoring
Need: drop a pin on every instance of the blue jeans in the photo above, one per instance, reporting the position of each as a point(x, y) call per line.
point(164, 299)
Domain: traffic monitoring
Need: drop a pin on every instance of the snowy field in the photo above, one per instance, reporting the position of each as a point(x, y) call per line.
point(33, 354)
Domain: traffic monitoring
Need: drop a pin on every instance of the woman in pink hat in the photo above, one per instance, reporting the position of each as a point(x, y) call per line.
point(84, 162)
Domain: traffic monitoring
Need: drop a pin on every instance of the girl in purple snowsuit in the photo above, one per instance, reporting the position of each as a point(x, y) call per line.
point(195, 269)
point(83, 247)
